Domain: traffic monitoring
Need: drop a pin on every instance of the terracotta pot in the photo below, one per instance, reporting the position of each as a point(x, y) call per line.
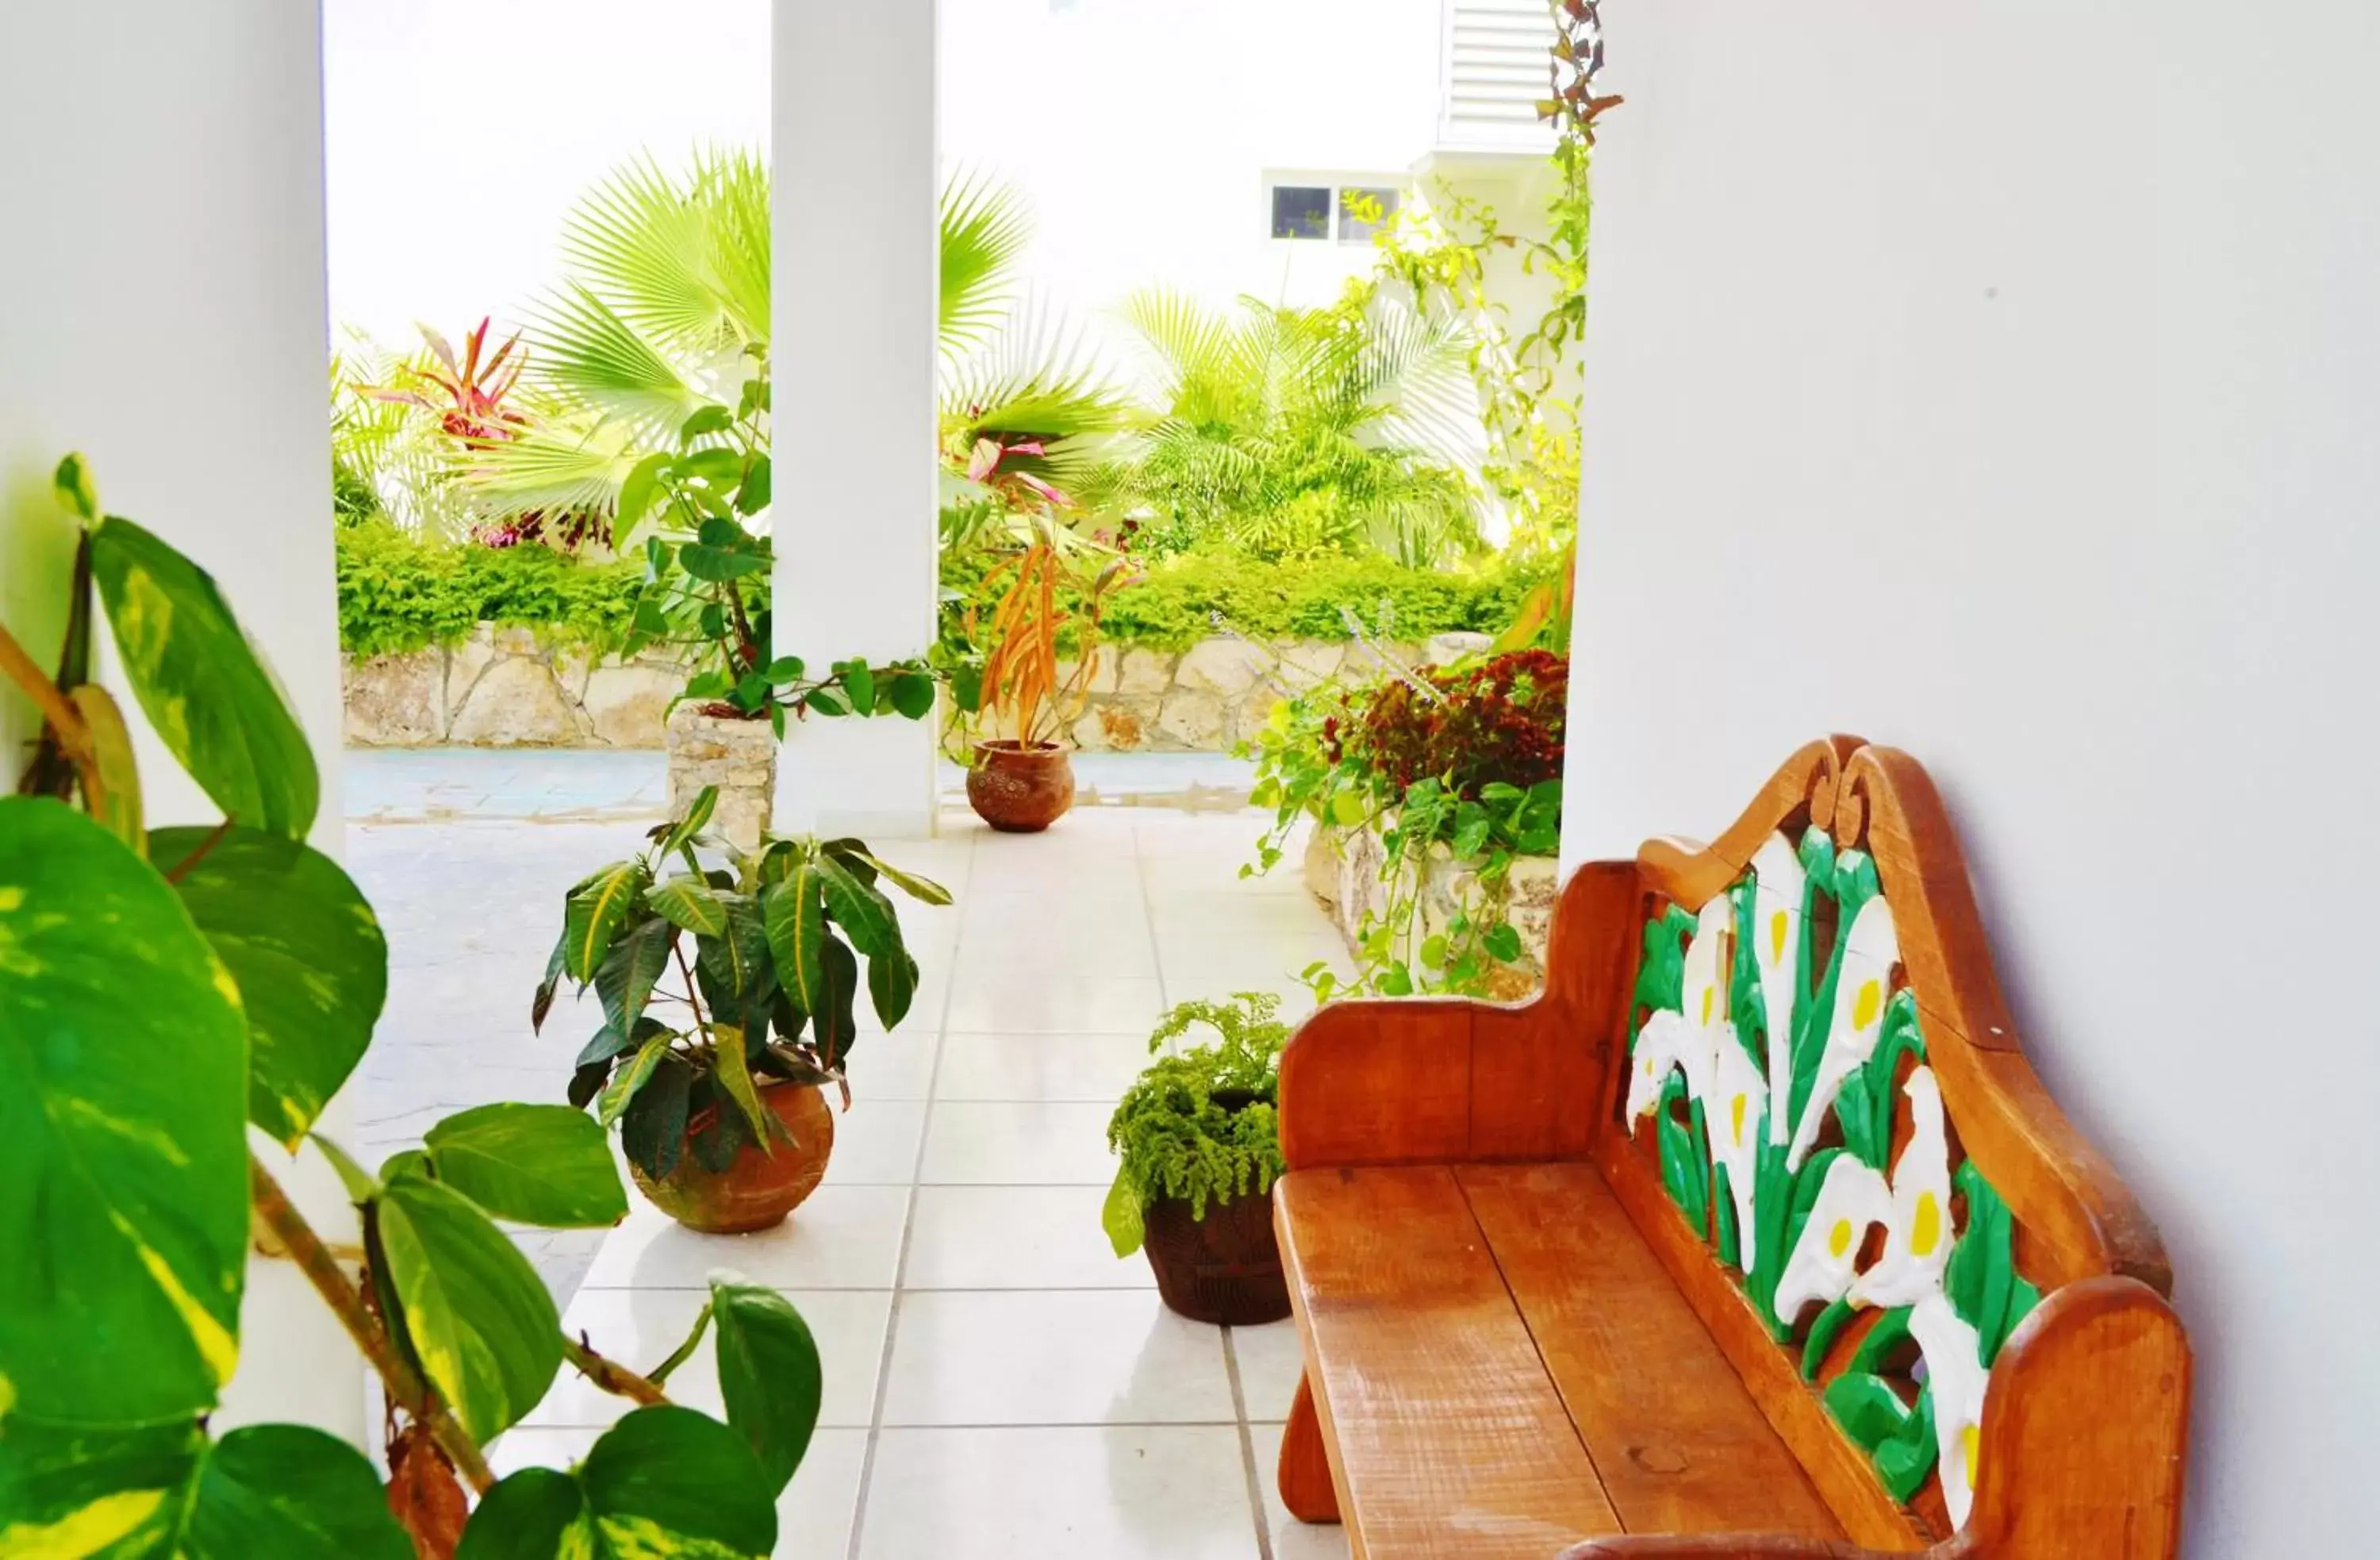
point(1021, 788)
point(758, 1189)
point(1223, 1269)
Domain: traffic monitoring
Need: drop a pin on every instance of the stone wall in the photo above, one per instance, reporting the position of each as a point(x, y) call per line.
point(1218, 693)
point(1343, 870)
point(502, 689)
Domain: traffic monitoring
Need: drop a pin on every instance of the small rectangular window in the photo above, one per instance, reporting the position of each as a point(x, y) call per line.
point(1363, 211)
point(1301, 211)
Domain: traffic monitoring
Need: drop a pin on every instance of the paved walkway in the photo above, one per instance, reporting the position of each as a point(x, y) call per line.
point(998, 1384)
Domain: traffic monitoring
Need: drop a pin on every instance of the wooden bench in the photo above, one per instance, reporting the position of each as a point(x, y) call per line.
point(1563, 1277)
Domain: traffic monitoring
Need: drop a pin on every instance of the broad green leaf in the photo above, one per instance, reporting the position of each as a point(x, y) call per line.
point(768, 1373)
point(538, 1165)
point(652, 1125)
point(795, 919)
point(308, 957)
point(119, 773)
point(202, 684)
point(758, 489)
point(1120, 1215)
point(626, 1081)
point(1503, 942)
point(892, 986)
point(486, 1330)
point(735, 1074)
point(913, 695)
point(832, 1027)
point(637, 496)
point(688, 903)
point(860, 908)
point(923, 889)
point(716, 564)
point(698, 813)
point(663, 1482)
point(625, 980)
point(735, 972)
point(123, 1226)
point(1346, 810)
point(860, 682)
point(274, 1490)
point(595, 912)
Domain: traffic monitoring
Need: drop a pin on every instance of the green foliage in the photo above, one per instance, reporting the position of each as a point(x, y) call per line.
point(775, 937)
point(151, 1005)
point(1200, 1125)
point(399, 593)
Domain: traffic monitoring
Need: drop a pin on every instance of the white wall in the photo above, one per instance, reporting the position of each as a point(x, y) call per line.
point(2000, 382)
point(162, 311)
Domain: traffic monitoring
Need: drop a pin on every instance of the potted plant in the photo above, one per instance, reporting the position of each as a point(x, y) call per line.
point(1199, 1144)
point(173, 997)
point(711, 1059)
point(1023, 781)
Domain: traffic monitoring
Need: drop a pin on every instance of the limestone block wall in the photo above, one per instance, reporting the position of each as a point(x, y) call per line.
point(502, 689)
point(1343, 870)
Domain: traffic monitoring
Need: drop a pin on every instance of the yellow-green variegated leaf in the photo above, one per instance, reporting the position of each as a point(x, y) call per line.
point(626, 1081)
point(860, 908)
point(596, 911)
point(118, 806)
point(663, 1482)
point(202, 685)
point(478, 1317)
point(538, 1165)
point(690, 903)
point(795, 919)
point(306, 951)
point(123, 1148)
point(165, 1490)
point(736, 1076)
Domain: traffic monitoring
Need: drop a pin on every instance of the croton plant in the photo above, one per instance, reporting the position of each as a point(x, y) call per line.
point(770, 994)
point(164, 993)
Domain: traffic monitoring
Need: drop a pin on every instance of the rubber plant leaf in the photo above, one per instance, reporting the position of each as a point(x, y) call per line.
point(304, 948)
point(207, 693)
point(121, 1134)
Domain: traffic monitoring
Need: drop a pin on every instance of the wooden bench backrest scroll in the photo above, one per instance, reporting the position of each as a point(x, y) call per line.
point(1821, 1117)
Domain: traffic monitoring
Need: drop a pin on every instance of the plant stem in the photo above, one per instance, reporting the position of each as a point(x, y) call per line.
point(684, 1350)
point(183, 868)
point(609, 1374)
point(54, 706)
point(346, 1302)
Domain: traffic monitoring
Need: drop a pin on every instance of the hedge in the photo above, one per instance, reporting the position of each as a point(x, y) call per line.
point(397, 594)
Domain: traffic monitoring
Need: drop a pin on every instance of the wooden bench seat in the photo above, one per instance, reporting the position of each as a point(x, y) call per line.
point(1533, 1320)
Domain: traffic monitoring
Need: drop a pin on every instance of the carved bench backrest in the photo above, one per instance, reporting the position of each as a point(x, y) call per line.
point(1822, 1077)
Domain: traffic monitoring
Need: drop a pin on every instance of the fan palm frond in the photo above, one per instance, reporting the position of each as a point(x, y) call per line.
point(559, 463)
point(984, 227)
point(686, 262)
point(589, 355)
point(1036, 381)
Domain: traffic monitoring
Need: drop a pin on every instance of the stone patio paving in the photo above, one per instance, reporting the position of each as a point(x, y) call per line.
point(996, 1384)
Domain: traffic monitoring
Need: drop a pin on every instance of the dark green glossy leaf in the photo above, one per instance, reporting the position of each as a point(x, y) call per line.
point(768, 1373)
point(631, 969)
point(1502, 942)
point(688, 902)
point(892, 986)
point(732, 1074)
point(735, 972)
point(306, 952)
point(832, 1027)
point(479, 1318)
point(913, 695)
point(652, 1127)
point(555, 967)
point(795, 915)
point(923, 889)
point(698, 813)
point(596, 911)
point(204, 689)
point(123, 1228)
point(626, 1081)
point(538, 1165)
point(663, 1482)
point(860, 908)
point(716, 564)
point(758, 489)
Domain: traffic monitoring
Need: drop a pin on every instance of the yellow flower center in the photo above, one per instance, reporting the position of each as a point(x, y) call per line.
point(1736, 1111)
point(1865, 1006)
point(1925, 1226)
point(1777, 929)
point(1838, 1239)
point(1710, 993)
point(1969, 1440)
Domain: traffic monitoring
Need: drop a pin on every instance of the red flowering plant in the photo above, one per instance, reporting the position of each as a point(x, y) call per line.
point(1460, 764)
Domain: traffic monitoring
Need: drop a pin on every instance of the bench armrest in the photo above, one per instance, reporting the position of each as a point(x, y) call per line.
point(1422, 1080)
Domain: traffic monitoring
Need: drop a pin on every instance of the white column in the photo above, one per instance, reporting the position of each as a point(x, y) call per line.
point(853, 351)
point(162, 309)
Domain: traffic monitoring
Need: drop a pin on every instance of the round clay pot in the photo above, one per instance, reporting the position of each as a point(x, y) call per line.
point(1223, 1269)
point(758, 1189)
point(1021, 788)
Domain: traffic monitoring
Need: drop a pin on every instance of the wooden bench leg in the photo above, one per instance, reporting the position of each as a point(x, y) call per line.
point(1305, 1487)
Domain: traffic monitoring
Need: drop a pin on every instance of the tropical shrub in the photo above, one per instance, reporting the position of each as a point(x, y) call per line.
point(1202, 1126)
point(401, 591)
point(777, 934)
point(1500, 721)
point(1294, 432)
point(165, 991)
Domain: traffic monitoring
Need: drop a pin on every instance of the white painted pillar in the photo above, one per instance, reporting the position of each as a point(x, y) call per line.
point(853, 342)
point(162, 309)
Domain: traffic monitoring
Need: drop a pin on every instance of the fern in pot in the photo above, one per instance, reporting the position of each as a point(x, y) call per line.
point(1198, 1139)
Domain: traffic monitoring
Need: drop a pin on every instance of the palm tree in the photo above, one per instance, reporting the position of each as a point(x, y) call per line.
point(664, 313)
point(1284, 433)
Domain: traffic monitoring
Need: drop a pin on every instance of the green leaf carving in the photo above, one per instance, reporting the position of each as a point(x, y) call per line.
point(306, 952)
point(479, 1318)
point(768, 1375)
point(663, 1481)
point(205, 691)
point(123, 1230)
point(538, 1165)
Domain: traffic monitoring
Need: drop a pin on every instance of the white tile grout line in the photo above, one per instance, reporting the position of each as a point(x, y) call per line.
point(1247, 1448)
point(901, 1263)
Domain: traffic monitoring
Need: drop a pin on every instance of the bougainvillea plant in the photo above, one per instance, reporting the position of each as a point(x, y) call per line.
point(1460, 764)
point(164, 993)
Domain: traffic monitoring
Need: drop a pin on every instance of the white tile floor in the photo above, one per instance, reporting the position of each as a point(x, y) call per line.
point(999, 1385)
